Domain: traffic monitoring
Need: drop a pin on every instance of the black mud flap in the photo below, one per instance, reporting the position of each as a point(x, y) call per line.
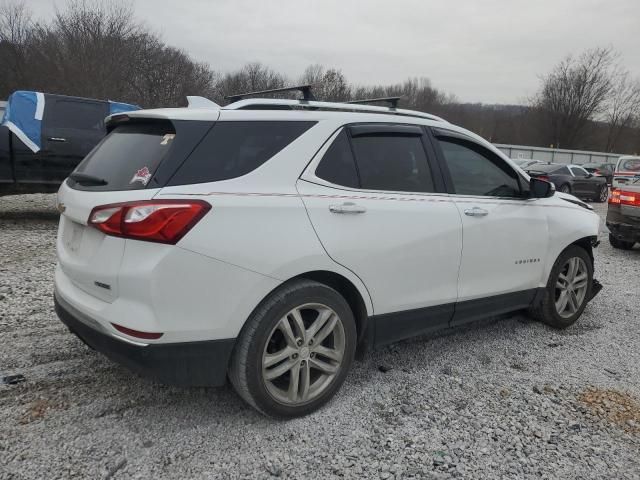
point(596, 286)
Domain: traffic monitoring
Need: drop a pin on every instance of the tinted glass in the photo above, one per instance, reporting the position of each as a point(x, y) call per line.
point(337, 166)
point(129, 155)
point(392, 162)
point(233, 149)
point(77, 115)
point(477, 171)
point(579, 172)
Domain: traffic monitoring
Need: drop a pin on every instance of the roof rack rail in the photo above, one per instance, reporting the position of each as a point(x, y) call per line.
point(305, 89)
point(279, 104)
point(392, 101)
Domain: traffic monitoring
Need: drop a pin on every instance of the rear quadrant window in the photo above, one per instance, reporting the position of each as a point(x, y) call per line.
point(392, 162)
point(233, 149)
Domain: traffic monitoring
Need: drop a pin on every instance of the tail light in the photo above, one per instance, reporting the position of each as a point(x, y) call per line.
point(161, 221)
point(544, 177)
point(622, 197)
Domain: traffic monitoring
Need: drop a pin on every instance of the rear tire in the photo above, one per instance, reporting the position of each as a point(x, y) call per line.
point(603, 194)
point(620, 244)
point(295, 350)
point(567, 292)
point(565, 188)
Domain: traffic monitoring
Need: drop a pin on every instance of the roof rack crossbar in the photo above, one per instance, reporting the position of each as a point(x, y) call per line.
point(392, 101)
point(307, 95)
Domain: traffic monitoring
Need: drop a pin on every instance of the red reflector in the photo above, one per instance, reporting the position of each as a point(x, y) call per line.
point(136, 333)
point(162, 221)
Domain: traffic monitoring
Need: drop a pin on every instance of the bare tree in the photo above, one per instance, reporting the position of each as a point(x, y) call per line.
point(16, 25)
point(623, 107)
point(328, 85)
point(575, 92)
point(250, 78)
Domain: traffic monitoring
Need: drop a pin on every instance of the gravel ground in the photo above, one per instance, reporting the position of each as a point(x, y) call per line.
point(501, 399)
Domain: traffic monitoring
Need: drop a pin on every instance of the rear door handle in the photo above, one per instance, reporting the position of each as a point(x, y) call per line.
point(348, 208)
point(57, 139)
point(476, 212)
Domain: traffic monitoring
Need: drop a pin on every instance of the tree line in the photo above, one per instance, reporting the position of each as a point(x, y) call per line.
point(98, 49)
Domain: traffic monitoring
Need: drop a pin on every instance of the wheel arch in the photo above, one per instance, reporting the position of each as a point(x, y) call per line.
point(351, 294)
point(587, 243)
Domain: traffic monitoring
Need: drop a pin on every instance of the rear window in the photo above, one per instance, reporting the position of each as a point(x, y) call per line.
point(233, 149)
point(631, 165)
point(128, 157)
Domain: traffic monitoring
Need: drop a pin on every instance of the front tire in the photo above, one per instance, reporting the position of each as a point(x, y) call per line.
point(620, 244)
point(295, 350)
point(568, 289)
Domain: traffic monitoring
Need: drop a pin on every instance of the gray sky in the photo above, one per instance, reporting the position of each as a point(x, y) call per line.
point(488, 51)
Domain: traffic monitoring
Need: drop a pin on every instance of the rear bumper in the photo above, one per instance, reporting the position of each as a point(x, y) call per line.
point(624, 222)
point(186, 364)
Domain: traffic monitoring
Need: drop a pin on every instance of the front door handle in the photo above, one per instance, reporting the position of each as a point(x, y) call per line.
point(57, 139)
point(476, 212)
point(348, 208)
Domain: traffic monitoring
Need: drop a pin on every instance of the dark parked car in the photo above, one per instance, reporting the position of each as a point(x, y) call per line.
point(573, 179)
point(601, 169)
point(43, 138)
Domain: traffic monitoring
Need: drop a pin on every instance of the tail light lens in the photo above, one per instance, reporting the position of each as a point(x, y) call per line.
point(621, 197)
point(544, 177)
point(162, 221)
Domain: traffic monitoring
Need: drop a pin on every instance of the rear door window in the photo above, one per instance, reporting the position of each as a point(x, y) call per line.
point(128, 157)
point(391, 162)
point(338, 165)
point(233, 149)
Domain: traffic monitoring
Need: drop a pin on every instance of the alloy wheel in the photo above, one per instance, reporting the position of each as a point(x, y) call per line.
point(571, 287)
point(604, 194)
point(303, 354)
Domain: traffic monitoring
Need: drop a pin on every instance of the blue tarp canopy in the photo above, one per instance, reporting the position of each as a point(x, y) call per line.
point(24, 112)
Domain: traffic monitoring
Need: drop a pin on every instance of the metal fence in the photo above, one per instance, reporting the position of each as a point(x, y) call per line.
point(556, 155)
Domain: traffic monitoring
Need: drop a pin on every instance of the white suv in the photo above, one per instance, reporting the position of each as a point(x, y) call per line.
point(268, 241)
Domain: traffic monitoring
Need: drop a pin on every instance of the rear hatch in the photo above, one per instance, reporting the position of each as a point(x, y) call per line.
point(132, 163)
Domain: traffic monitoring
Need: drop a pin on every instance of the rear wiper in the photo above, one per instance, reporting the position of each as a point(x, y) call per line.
point(85, 179)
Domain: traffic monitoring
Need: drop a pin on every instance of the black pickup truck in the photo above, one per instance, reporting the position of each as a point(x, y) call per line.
point(43, 137)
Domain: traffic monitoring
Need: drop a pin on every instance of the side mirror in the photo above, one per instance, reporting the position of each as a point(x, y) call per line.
point(589, 175)
point(541, 188)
